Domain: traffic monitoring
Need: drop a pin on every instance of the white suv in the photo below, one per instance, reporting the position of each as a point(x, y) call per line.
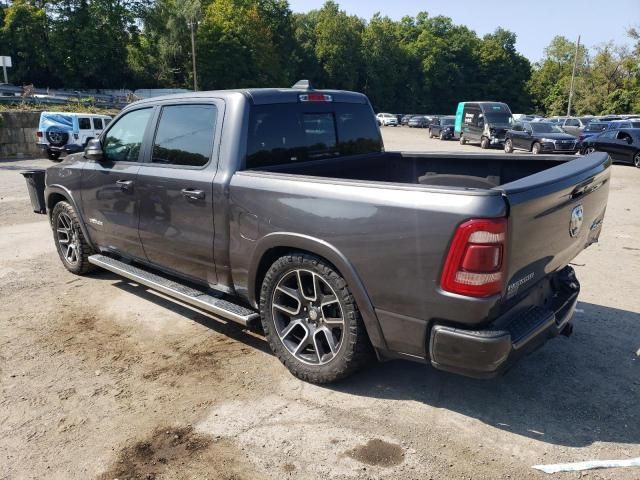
point(387, 120)
point(67, 132)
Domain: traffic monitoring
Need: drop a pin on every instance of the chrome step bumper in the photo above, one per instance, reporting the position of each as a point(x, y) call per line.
point(200, 299)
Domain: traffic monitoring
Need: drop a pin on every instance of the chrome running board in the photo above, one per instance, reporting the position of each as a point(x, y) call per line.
point(200, 299)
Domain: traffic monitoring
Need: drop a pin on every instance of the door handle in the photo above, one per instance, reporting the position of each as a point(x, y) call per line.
point(192, 194)
point(125, 185)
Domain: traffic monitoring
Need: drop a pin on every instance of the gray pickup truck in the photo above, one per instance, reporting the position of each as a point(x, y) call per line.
point(281, 205)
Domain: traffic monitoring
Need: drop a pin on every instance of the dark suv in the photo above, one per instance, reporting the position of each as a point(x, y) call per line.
point(443, 127)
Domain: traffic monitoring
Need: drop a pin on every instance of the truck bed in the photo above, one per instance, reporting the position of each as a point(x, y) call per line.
point(480, 171)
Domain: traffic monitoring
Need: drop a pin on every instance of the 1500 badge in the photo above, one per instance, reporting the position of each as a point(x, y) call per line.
point(512, 289)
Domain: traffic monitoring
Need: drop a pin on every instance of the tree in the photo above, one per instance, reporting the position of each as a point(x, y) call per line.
point(550, 81)
point(384, 63)
point(338, 47)
point(25, 37)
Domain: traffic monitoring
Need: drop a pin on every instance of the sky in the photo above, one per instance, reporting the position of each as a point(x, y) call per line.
point(535, 22)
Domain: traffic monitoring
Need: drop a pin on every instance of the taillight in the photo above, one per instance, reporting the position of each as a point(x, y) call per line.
point(475, 262)
point(39, 134)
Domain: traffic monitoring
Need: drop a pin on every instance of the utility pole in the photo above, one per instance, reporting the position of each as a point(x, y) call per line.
point(573, 76)
point(193, 56)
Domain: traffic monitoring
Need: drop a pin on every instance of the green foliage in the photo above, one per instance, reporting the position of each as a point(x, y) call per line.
point(417, 64)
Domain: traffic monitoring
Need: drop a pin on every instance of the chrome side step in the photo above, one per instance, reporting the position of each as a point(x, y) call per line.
point(197, 298)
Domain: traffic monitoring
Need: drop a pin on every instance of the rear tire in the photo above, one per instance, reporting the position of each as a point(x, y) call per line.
point(311, 320)
point(71, 244)
point(536, 148)
point(484, 143)
point(508, 146)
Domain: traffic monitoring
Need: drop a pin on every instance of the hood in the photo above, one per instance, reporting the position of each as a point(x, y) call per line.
point(556, 136)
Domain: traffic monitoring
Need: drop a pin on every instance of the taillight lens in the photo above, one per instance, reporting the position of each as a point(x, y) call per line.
point(39, 134)
point(475, 262)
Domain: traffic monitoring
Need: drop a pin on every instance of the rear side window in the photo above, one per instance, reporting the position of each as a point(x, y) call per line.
point(185, 135)
point(97, 124)
point(84, 123)
point(295, 132)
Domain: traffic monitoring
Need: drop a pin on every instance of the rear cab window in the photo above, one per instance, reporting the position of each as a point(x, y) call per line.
point(97, 124)
point(284, 133)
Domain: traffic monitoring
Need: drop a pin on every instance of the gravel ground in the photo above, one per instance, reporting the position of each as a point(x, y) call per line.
point(100, 378)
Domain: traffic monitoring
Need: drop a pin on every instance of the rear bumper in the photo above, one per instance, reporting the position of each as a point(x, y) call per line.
point(487, 353)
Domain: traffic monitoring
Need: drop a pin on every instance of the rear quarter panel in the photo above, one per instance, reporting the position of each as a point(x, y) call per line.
point(394, 237)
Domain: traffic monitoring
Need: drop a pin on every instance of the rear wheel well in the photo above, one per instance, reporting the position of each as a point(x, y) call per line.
point(270, 256)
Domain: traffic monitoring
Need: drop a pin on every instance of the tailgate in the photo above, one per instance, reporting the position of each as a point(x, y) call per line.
point(553, 216)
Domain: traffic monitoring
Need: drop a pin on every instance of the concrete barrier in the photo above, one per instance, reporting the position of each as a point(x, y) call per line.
point(18, 134)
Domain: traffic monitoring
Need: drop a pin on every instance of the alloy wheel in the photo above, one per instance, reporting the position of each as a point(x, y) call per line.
point(68, 239)
point(636, 160)
point(308, 317)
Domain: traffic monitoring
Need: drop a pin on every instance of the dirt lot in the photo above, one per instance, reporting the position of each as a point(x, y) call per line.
point(100, 378)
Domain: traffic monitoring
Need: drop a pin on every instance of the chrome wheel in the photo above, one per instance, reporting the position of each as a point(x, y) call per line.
point(68, 239)
point(308, 317)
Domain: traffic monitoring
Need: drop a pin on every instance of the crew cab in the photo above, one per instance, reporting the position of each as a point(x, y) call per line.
point(281, 206)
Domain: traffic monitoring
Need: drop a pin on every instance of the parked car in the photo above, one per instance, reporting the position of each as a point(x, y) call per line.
point(443, 127)
point(483, 122)
point(387, 120)
point(539, 137)
point(627, 123)
point(593, 129)
point(575, 125)
point(622, 145)
point(418, 121)
point(405, 120)
point(66, 132)
point(282, 206)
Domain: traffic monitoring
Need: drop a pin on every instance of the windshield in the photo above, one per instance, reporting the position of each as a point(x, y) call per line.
point(544, 127)
point(498, 117)
point(448, 121)
point(596, 127)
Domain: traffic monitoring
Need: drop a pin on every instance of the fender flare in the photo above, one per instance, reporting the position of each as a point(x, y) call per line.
point(321, 248)
point(68, 196)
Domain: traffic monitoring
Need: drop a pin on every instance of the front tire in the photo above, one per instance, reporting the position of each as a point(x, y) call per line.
point(442, 136)
point(484, 143)
point(463, 141)
point(71, 244)
point(636, 159)
point(536, 148)
point(311, 320)
point(508, 146)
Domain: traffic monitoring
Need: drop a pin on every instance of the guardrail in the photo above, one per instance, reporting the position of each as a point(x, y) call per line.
point(10, 94)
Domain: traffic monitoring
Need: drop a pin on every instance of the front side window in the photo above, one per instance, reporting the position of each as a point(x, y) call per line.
point(609, 134)
point(292, 132)
point(123, 141)
point(97, 124)
point(84, 123)
point(185, 135)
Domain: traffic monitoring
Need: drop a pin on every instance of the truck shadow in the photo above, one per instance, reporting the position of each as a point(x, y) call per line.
point(219, 325)
point(573, 392)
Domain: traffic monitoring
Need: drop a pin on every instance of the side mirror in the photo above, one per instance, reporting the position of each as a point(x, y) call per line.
point(93, 151)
